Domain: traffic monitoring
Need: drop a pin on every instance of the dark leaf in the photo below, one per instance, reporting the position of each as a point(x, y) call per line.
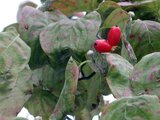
point(41, 103)
point(66, 102)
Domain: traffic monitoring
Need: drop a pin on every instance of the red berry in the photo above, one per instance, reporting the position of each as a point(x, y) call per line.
point(102, 46)
point(114, 36)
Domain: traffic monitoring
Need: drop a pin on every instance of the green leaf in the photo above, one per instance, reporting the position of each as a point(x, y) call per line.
point(14, 92)
point(88, 97)
point(106, 7)
point(66, 102)
point(46, 77)
point(144, 107)
point(31, 22)
point(59, 45)
point(117, 17)
point(145, 9)
point(94, 93)
point(145, 78)
point(50, 80)
point(83, 114)
point(118, 75)
point(41, 103)
point(144, 36)
point(14, 52)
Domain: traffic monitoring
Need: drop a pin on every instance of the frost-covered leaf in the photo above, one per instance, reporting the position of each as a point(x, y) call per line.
point(31, 22)
point(14, 52)
point(66, 102)
point(14, 92)
point(68, 37)
point(144, 107)
point(144, 37)
point(145, 78)
point(118, 75)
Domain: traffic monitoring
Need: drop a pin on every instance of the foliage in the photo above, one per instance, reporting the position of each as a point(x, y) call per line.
point(143, 107)
point(49, 65)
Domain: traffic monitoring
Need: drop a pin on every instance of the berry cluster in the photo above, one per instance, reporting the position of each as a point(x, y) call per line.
point(114, 36)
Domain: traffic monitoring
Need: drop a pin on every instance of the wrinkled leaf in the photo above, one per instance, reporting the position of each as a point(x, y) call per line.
point(57, 43)
point(66, 102)
point(14, 52)
point(144, 36)
point(41, 103)
point(14, 92)
point(118, 75)
point(31, 23)
point(145, 78)
point(133, 108)
point(79, 36)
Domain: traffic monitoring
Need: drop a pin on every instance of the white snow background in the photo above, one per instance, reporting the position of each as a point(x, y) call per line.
point(8, 12)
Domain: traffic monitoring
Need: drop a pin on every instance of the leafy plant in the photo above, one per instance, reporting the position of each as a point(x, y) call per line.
point(49, 64)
